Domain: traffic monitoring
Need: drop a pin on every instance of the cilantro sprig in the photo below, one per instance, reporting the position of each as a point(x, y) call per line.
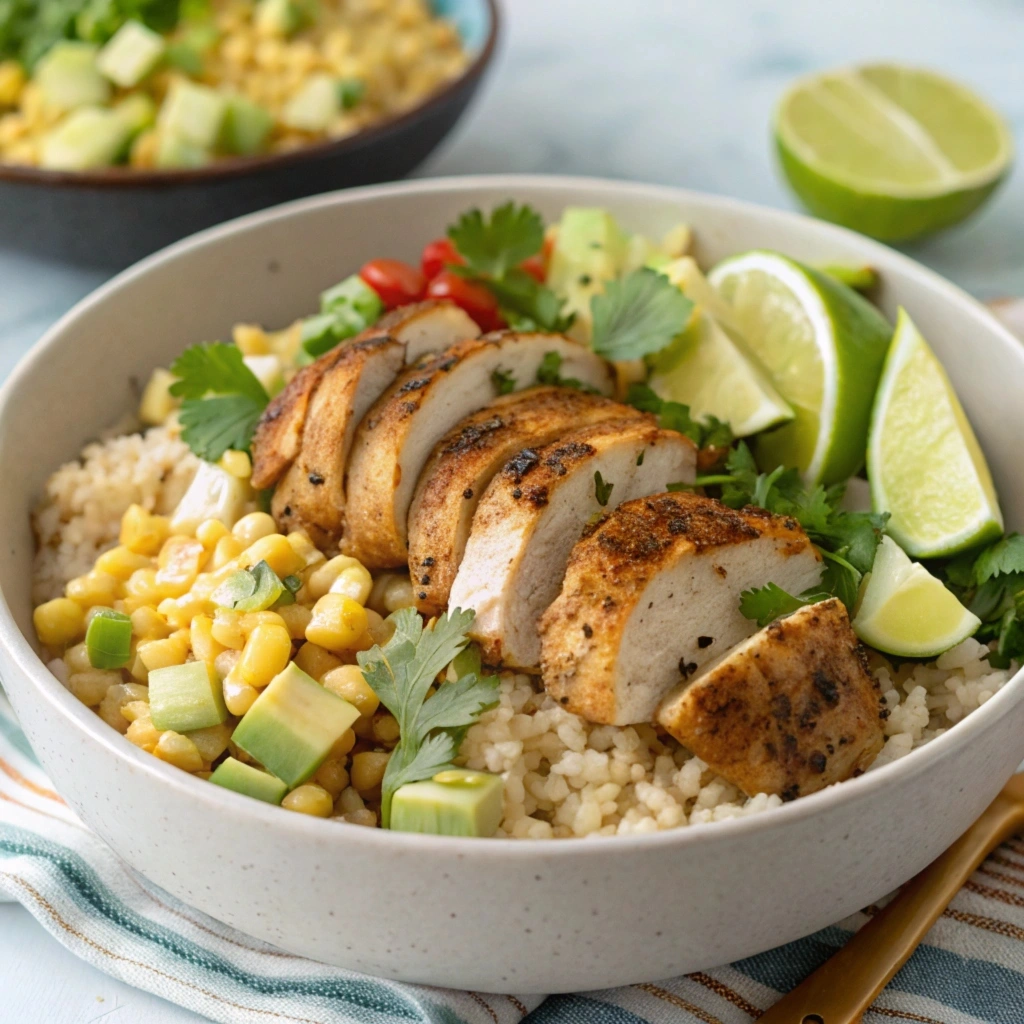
point(223, 399)
point(402, 673)
point(710, 432)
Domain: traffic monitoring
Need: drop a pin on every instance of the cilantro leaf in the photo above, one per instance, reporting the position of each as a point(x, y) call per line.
point(711, 433)
point(550, 372)
point(602, 490)
point(503, 381)
point(525, 303)
point(216, 368)
point(638, 315)
point(210, 426)
point(496, 245)
point(402, 673)
point(771, 602)
point(1005, 556)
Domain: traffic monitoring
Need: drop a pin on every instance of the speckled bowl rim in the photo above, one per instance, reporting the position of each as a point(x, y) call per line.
point(869, 786)
point(116, 178)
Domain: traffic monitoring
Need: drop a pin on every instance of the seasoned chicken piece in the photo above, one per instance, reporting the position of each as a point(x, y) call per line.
point(533, 513)
point(652, 594)
point(419, 328)
point(394, 441)
point(466, 459)
point(311, 495)
point(789, 711)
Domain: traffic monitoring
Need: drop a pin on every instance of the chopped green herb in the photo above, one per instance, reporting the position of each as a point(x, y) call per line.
point(549, 372)
point(602, 491)
point(402, 673)
point(252, 590)
point(711, 433)
point(640, 457)
point(351, 92)
point(638, 315)
point(494, 246)
point(504, 383)
point(108, 640)
point(771, 602)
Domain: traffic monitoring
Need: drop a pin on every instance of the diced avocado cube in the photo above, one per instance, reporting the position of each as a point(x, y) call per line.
point(86, 138)
point(456, 802)
point(249, 781)
point(280, 17)
point(213, 494)
point(193, 113)
point(246, 127)
point(186, 697)
point(137, 111)
point(68, 77)
point(293, 724)
point(267, 370)
point(314, 106)
point(174, 151)
point(132, 53)
point(353, 293)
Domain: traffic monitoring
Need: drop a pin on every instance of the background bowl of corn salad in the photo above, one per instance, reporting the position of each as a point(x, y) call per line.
point(126, 125)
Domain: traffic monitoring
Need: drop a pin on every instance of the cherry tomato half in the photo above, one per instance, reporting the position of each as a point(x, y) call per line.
point(437, 255)
point(396, 283)
point(474, 298)
point(534, 266)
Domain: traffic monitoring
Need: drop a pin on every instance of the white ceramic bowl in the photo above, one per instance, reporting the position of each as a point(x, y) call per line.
point(490, 915)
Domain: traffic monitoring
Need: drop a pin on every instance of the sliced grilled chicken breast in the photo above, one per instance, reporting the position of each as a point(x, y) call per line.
point(789, 711)
point(533, 513)
point(464, 462)
point(394, 441)
point(652, 593)
point(420, 328)
point(311, 495)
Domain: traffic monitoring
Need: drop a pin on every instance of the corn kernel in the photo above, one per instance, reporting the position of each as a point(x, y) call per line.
point(252, 527)
point(353, 581)
point(275, 550)
point(322, 578)
point(227, 629)
point(315, 661)
point(239, 696)
point(116, 698)
point(338, 623)
point(333, 776)
point(179, 750)
point(212, 741)
point(142, 587)
point(180, 611)
point(348, 682)
point(363, 816)
point(227, 550)
point(209, 531)
point(201, 640)
point(59, 622)
point(363, 728)
point(157, 401)
point(250, 620)
point(381, 630)
point(250, 338)
point(385, 729)
point(368, 770)
point(143, 733)
point(179, 563)
point(350, 801)
point(121, 562)
point(309, 799)
point(149, 624)
point(135, 709)
point(143, 532)
point(12, 81)
point(77, 658)
point(91, 687)
point(94, 588)
point(138, 670)
point(163, 653)
point(236, 463)
point(398, 594)
point(296, 618)
point(266, 654)
point(309, 553)
point(343, 746)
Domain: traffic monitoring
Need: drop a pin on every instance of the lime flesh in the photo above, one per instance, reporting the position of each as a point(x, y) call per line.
point(891, 151)
point(906, 611)
point(925, 465)
point(823, 346)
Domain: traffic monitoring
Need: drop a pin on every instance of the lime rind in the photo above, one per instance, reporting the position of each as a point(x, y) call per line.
point(938, 462)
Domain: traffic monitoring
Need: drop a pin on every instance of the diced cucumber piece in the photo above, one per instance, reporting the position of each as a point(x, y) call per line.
point(194, 114)
point(314, 106)
point(108, 640)
point(86, 138)
point(213, 494)
point(353, 293)
point(456, 802)
point(68, 77)
point(132, 53)
point(186, 697)
point(246, 127)
point(174, 151)
point(249, 781)
point(293, 724)
point(137, 111)
point(267, 370)
point(280, 17)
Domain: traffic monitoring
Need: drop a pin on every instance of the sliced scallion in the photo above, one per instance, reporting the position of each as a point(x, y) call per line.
point(108, 639)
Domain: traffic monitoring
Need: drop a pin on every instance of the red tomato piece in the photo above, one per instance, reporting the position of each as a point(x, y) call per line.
point(534, 266)
point(437, 255)
point(474, 298)
point(396, 283)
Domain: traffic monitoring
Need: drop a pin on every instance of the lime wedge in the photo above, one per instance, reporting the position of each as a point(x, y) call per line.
point(709, 367)
point(904, 610)
point(823, 345)
point(924, 462)
point(891, 151)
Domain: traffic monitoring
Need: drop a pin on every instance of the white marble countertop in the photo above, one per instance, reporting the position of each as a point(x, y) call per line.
point(672, 91)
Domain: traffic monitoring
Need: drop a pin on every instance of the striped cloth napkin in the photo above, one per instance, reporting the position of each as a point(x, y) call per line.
point(969, 971)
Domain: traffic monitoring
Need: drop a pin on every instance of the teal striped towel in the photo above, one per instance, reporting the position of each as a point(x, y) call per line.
point(970, 971)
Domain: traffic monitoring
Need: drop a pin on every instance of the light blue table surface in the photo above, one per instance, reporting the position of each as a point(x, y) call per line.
point(670, 91)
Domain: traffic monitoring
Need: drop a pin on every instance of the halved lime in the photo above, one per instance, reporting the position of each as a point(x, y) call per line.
point(894, 152)
point(924, 462)
point(823, 345)
point(904, 610)
point(709, 367)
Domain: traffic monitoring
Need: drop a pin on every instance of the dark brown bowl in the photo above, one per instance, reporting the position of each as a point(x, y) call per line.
point(112, 218)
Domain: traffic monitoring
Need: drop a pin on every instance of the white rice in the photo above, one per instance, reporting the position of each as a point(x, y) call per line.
point(563, 775)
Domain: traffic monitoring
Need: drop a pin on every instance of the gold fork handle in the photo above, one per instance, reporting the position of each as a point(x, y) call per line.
point(844, 987)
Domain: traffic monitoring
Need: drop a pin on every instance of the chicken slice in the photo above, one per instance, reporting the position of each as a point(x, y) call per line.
point(394, 441)
point(789, 711)
point(420, 328)
point(464, 462)
point(652, 594)
point(311, 495)
point(533, 513)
